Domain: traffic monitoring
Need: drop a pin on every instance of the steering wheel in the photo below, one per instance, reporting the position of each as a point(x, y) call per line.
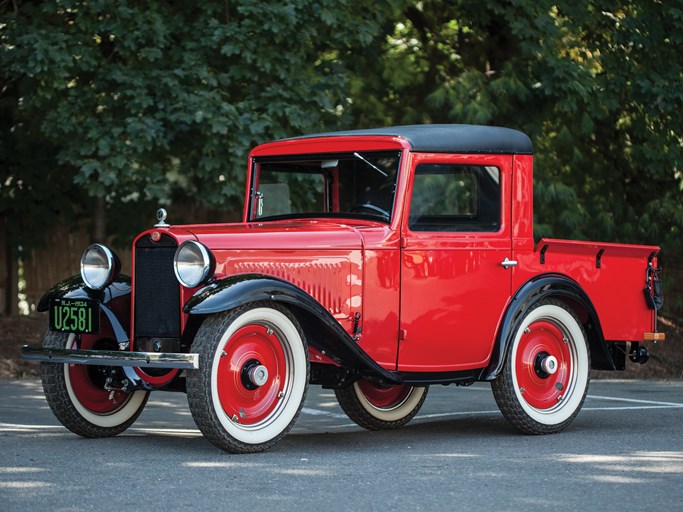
point(367, 206)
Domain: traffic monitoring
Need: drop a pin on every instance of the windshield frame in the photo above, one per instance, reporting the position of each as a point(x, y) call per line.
point(364, 158)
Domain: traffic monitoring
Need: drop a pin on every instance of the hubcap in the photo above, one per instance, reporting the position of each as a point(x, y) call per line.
point(252, 374)
point(549, 365)
point(259, 375)
point(543, 365)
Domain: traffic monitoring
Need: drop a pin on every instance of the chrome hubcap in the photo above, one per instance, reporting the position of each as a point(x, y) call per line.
point(258, 375)
point(549, 365)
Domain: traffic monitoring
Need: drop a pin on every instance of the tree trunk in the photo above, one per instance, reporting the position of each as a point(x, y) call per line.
point(12, 280)
point(11, 268)
point(4, 267)
point(98, 226)
point(9, 272)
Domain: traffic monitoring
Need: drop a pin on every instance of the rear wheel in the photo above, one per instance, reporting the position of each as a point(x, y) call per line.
point(377, 407)
point(77, 395)
point(252, 377)
point(545, 379)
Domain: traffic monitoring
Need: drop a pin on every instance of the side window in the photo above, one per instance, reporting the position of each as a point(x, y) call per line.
point(455, 198)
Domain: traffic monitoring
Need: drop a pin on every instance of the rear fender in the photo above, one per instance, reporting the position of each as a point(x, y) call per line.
point(322, 329)
point(561, 288)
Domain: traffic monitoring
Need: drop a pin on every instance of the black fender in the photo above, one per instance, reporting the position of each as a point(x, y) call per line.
point(556, 286)
point(323, 331)
point(75, 288)
point(114, 300)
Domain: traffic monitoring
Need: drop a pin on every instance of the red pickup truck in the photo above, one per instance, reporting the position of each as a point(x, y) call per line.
point(372, 262)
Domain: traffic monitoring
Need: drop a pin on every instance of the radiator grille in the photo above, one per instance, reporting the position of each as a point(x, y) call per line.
point(157, 291)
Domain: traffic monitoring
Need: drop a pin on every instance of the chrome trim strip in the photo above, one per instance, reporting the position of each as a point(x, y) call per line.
point(111, 358)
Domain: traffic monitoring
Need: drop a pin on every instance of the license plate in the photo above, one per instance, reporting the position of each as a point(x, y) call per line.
point(75, 315)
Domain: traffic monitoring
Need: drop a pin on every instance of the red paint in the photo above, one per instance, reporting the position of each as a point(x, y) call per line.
point(87, 387)
point(251, 344)
point(383, 397)
point(454, 289)
point(615, 289)
point(542, 391)
point(157, 380)
point(93, 397)
point(429, 301)
point(332, 279)
point(316, 356)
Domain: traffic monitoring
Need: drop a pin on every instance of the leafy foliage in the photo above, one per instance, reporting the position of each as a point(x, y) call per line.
point(155, 100)
point(149, 102)
point(597, 85)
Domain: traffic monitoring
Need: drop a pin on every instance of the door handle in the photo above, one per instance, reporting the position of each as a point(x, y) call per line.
point(508, 263)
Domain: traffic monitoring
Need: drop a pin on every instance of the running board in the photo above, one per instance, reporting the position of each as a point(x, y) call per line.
point(110, 358)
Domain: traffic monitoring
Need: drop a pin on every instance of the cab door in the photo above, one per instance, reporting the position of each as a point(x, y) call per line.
point(455, 261)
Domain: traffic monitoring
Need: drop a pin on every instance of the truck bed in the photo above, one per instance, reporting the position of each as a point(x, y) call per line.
point(613, 275)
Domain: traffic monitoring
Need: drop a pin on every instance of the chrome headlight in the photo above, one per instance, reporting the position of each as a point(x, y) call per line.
point(193, 263)
point(99, 266)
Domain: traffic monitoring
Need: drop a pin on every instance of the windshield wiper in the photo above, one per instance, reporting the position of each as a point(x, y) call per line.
point(358, 155)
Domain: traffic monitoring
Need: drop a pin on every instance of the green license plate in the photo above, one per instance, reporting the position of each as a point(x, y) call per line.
point(75, 315)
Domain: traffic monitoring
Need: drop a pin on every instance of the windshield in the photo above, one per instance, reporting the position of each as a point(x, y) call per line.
point(360, 185)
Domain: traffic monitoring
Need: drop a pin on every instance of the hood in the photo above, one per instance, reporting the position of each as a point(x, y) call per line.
point(324, 258)
point(277, 235)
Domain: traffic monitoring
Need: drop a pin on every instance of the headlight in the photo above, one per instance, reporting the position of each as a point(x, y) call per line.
point(193, 263)
point(99, 266)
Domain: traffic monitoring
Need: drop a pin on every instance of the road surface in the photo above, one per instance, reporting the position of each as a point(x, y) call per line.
point(623, 452)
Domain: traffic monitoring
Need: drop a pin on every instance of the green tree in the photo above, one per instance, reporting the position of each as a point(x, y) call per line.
point(146, 102)
point(597, 85)
point(141, 98)
point(116, 106)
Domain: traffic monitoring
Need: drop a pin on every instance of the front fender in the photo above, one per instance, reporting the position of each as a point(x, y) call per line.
point(114, 300)
point(323, 331)
point(541, 287)
point(75, 288)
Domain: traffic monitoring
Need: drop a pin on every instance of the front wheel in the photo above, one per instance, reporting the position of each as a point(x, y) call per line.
point(545, 379)
point(377, 407)
point(252, 377)
point(77, 396)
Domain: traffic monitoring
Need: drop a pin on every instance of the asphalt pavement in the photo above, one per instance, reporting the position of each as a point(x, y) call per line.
point(623, 452)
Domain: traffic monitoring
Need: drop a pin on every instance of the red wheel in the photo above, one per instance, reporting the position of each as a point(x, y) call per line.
point(252, 374)
point(545, 380)
point(252, 377)
point(377, 407)
point(383, 398)
point(86, 383)
point(77, 395)
point(543, 365)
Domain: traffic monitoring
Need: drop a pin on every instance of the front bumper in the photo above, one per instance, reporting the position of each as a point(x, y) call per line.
point(111, 358)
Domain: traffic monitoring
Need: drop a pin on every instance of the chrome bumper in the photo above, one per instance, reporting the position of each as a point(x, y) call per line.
point(110, 358)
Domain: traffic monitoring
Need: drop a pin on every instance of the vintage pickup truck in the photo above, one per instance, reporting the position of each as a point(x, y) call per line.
point(372, 262)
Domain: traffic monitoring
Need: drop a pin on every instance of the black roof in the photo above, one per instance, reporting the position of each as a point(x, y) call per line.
point(449, 138)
